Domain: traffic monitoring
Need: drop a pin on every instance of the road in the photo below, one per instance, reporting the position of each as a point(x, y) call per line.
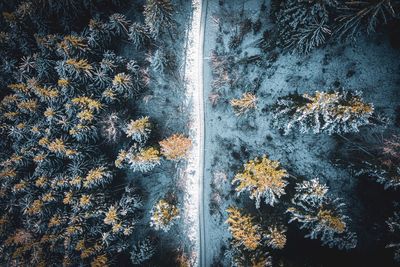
point(202, 221)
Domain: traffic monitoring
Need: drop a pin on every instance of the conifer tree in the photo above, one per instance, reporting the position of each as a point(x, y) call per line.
point(263, 178)
point(321, 215)
point(158, 16)
point(323, 112)
point(163, 215)
point(142, 251)
point(244, 104)
point(61, 205)
point(175, 147)
point(244, 231)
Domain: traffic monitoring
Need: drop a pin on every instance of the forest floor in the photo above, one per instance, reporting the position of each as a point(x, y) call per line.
point(369, 65)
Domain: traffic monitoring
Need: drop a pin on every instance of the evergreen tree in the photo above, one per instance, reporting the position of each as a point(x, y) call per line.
point(263, 178)
point(321, 215)
point(244, 231)
point(158, 16)
point(163, 215)
point(331, 112)
point(142, 251)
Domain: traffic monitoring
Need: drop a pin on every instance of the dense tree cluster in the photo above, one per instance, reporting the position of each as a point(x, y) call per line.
point(63, 199)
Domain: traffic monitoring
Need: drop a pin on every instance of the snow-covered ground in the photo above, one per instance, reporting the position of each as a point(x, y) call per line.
point(369, 65)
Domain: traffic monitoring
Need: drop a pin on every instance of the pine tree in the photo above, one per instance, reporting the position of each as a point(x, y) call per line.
point(244, 231)
point(276, 237)
point(142, 251)
point(364, 16)
point(321, 215)
point(263, 178)
point(158, 16)
point(175, 147)
point(331, 112)
point(139, 130)
point(163, 215)
point(382, 162)
point(303, 26)
point(244, 104)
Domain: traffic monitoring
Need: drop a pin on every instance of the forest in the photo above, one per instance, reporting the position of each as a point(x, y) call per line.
point(199, 133)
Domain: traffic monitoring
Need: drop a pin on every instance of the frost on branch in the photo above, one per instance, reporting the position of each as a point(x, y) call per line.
point(323, 112)
point(163, 215)
point(263, 178)
point(321, 215)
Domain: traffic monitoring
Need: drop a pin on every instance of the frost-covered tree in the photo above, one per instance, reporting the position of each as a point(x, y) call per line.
point(323, 112)
point(244, 231)
point(322, 216)
point(382, 162)
point(138, 34)
point(158, 16)
point(244, 104)
point(139, 129)
point(262, 178)
point(139, 159)
point(303, 25)
point(276, 237)
point(163, 215)
point(356, 17)
point(175, 147)
point(142, 251)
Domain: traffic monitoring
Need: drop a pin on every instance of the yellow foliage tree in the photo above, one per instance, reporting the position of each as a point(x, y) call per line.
point(175, 147)
point(262, 178)
point(244, 104)
point(244, 231)
point(163, 215)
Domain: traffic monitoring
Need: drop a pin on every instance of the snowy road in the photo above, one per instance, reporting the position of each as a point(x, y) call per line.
point(193, 73)
point(203, 203)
